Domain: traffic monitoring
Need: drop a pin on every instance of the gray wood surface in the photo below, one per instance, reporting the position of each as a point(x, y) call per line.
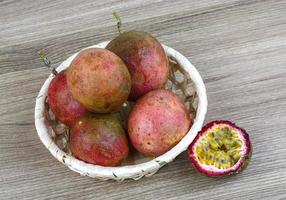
point(239, 47)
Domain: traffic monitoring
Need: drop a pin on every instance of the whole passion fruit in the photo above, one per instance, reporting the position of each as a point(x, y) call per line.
point(157, 122)
point(99, 80)
point(220, 148)
point(144, 57)
point(99, 139)
point(61, 102)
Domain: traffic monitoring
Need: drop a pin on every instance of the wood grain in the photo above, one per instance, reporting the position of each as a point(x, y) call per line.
point(239, 47)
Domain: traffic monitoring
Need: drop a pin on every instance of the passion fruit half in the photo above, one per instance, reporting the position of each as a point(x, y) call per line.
point(220, 148)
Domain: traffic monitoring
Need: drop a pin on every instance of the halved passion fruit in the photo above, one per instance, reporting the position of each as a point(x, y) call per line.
point(220, 148)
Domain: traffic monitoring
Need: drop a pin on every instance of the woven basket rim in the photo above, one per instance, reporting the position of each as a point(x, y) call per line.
point(135, 171)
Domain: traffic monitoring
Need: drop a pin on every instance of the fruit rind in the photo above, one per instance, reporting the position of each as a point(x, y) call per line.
point(99, 139)
point(145, 59)
point(63, 105)
point(158, 121)
point(99, 80)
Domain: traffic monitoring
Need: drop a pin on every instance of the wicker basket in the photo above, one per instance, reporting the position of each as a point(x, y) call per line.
point(184, 80)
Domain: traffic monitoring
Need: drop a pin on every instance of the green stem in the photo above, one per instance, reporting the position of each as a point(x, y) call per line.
point(42, 57)
point(119, 23)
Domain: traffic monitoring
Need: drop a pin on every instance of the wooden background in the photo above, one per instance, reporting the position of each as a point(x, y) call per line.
point(239, 47)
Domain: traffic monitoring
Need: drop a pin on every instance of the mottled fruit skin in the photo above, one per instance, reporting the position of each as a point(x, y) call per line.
point(99, 139)
point(158, 121)
point(146, 61)
point(61, 102)
point(99, 80)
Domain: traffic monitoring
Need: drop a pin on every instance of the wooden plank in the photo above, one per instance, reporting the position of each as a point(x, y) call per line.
point(239, 47)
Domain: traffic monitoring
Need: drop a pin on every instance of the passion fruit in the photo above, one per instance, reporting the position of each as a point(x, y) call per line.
point(61, 102)
point(99, 80)
point(157, 122)
point(64, 106)
point(220, 148)
point(145, 59)
point(99, 139)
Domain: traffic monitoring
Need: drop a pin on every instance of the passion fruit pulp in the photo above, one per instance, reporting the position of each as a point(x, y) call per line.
point(220, 148)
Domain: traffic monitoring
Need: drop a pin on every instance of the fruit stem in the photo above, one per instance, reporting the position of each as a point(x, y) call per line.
point(42, 57)
point(118, 20)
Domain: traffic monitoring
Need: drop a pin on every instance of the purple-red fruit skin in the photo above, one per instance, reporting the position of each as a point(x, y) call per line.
point(99, 139)
point(157, 122)
point(145, 59)
point(63, 105)
point(99, 80)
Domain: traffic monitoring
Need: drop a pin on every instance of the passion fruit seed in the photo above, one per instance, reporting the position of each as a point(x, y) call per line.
point(221, 147)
